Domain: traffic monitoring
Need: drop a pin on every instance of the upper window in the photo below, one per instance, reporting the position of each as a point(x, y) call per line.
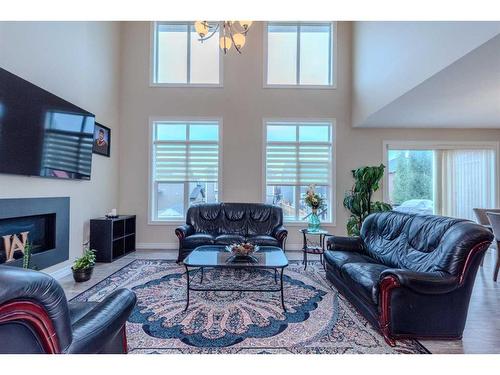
point(184, 165)
point(300, 54)
point(298, 154)
point(179, 58)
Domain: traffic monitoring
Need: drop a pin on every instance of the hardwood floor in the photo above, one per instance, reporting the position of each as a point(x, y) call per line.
point(482, 331)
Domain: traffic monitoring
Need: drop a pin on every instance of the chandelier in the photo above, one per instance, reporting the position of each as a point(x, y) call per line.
point(232, 33)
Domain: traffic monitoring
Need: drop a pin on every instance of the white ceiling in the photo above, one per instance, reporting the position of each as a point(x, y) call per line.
point(466, 94)
point(426, 74)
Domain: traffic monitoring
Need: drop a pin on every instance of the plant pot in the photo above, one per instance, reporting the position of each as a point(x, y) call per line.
point(82, 275)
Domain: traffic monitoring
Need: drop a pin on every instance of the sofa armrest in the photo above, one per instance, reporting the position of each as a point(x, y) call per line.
point(280, 233)
point(340, 243)
point(422, 282)
point(101, 324)
point(183, 231)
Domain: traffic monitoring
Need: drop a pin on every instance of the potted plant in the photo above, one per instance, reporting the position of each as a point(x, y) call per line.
point(359, 199)
point(315, 201)
point(84, 266)
point(27, 263)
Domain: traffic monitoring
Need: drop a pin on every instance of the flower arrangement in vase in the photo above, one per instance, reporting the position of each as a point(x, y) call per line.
point(315, 201)
point(242, 252)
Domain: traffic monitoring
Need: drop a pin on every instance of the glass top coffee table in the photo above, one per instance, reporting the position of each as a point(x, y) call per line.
point(216, 256)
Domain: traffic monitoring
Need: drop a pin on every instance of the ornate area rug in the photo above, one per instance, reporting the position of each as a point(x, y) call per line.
point(318, 318)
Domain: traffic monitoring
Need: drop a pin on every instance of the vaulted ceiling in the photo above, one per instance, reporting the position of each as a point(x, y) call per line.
point(426, 74)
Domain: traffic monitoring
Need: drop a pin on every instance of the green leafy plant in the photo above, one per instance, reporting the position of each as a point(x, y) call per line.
point(359, 199)
point(86, 261)
point(27, 252)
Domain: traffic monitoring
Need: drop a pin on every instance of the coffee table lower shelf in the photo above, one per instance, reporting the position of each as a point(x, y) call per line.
point(191, 274)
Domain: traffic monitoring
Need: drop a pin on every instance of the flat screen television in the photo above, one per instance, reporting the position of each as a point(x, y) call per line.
point(42, 134)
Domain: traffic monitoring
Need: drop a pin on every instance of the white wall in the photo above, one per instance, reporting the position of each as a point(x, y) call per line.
point(390, 58)
point(242, 104)
point(78, 61)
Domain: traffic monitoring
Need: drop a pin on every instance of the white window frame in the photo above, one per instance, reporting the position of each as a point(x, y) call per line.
point(152, 185)
point(152, 61)
point(440, 145)
point(331, 86)
point(332, 199)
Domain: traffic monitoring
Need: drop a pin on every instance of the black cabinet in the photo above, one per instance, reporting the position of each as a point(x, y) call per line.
point(112, 238)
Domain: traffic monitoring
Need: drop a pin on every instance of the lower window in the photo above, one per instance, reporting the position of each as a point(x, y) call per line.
point(299, 154)
point(185, 167)
point(440, 180)
point(411, 178)
point(173, 198)
point(291, 201)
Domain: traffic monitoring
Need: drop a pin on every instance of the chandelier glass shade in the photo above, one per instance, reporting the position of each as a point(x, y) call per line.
point(231, 33)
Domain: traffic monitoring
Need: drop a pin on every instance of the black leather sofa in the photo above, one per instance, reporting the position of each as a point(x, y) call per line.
point(411, 276)
point(36, 318)
point(227, 223)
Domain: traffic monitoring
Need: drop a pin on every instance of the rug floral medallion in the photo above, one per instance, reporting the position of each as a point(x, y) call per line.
point(318, 319)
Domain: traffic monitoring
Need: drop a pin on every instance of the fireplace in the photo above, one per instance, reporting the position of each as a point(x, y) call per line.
point(41, 222)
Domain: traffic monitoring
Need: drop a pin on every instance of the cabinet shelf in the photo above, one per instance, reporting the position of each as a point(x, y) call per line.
point(125, 236)
point(113, 238)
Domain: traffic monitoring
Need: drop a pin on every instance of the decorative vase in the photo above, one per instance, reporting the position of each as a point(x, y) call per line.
point(314, 222)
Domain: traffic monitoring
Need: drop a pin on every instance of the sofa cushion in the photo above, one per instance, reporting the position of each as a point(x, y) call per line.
point(421, 243)
point(364, 278)
point(228, 239)
point(198, 239)
point(205, 218)
point(263, 219)
point(263, 240)
point(234, 219)
point(244, 219)
point(338, 258)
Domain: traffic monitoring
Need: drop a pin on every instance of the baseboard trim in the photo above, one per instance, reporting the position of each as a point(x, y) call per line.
point(175, 246)
point(157, 246)
point(62, 272)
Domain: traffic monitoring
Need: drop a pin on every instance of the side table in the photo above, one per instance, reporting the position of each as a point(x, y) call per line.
point(316, 247)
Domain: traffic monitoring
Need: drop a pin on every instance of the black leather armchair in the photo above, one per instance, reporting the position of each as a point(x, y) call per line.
point(411, 276)
point(227, 223)
point(36, 318)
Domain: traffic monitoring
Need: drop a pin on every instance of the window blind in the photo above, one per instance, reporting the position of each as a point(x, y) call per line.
point(186, 162)
point(186, 151)
point(298, 163)
point(467, 181)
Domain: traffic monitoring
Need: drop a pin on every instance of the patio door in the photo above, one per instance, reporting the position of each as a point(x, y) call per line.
point(468, 181)
point(447, 180)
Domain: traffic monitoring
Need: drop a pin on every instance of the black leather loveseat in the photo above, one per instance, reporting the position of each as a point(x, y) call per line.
point(36, 318)
point(411, 276)
point(227, 223)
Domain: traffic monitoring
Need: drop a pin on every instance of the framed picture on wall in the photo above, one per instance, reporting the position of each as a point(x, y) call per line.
point(102, 140)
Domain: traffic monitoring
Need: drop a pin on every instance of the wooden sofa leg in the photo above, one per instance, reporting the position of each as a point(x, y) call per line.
point(124, 339)
point(386, 332)
point(386, 285)
point(497, 264)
